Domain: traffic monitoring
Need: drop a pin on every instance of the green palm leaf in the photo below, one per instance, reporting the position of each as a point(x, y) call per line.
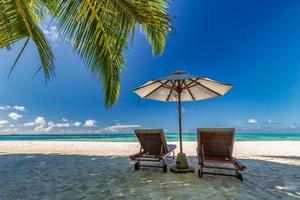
point(98, 30)
point(20, 19)
point(101, 29)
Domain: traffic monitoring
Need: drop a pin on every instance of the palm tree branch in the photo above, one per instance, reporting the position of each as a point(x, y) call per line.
point(18, 57)
point(98, 30)
point(44, 50)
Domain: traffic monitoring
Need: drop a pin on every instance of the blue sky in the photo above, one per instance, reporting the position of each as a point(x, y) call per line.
point(254, 45)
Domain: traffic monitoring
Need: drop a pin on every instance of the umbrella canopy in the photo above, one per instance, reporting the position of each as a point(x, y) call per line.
point(190, 88)
point(182, 86)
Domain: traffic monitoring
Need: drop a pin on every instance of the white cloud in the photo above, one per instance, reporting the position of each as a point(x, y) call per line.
point(49, 128)
point(39, 128)
point(29, 124)
point(19, 108)
point(62, 125)
point(270, 121)
point(77, 124)
point(51, 33)
point(252, 121)
point(90, 123)
point(14, 116)
point(40, 120)
point(16, 107)
point(5, 107)
point(3, 122)
point(50, 123)
point(46, 127)
point(41, 125)
point(119, 127)
point(64, 120)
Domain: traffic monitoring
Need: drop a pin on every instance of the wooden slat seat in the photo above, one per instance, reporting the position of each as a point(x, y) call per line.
point(215, 145)
point(153, 148)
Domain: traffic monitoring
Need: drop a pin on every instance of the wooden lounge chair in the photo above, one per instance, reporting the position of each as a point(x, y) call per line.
point(153, 148)
point(215, 145)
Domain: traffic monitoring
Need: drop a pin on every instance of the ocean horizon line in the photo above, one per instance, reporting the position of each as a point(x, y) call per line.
point(125, 133)
point(130, 137)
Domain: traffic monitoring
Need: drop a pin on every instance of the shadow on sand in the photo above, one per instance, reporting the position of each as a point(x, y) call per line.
point(54, 176)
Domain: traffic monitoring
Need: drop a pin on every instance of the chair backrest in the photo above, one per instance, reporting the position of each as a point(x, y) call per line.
point(215, 142)
point(152, 141)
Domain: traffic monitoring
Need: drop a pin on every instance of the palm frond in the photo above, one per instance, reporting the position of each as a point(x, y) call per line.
point(12, 27)
point(101, 29)
point(18, 57)
point(36, 34)
point(20, 19)
point(153, 18)
point(98, 30)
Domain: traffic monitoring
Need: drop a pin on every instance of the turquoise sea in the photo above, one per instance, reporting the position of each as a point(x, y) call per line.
point(132, 137)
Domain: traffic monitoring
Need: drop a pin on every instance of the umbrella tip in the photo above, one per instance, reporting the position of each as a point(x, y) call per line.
point(179, 71)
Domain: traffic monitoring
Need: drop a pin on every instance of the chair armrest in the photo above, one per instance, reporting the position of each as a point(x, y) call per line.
point(171, 147)
point(137, 155)
point(239, 164)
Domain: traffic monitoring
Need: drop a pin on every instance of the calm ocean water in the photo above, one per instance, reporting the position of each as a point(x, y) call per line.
point(132, 137)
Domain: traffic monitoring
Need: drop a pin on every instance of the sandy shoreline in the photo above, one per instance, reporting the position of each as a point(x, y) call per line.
point(102, 170)
point(284, 148)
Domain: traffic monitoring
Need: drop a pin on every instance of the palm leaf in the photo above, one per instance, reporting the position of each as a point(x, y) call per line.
point(20, 19)
point(101, 29)
point(98, 30)
point(18, 57)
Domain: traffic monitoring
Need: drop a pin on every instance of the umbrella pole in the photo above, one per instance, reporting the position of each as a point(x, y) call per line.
point(182, 165)
point(179, 121)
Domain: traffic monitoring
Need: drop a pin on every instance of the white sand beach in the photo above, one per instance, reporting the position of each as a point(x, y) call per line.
point(102, 170)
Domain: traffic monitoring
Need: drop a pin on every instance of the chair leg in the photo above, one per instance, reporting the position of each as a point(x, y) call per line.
point(137, 166)
point(200, 172)
point(239, 176)
point(165, 166)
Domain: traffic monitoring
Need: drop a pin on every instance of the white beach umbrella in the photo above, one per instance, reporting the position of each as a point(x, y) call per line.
point(182, 86)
